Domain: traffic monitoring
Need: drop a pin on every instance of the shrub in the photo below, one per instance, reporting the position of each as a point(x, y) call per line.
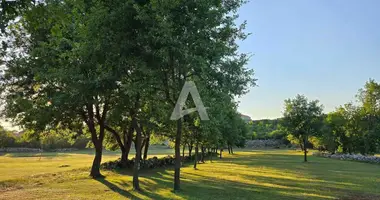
point(6, 139)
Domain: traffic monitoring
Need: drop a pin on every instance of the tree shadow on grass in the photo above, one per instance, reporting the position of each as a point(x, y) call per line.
point(157, 184)
point(117, 189)
point(283, 177)
point(330, 175)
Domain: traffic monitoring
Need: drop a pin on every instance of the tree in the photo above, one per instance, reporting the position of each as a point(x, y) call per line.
point(97, 63)
point(369, 113)
point(302, 119)
point(194, 40)
point(70, 67)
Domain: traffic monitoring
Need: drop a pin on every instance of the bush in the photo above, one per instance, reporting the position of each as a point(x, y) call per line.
point(7, 139)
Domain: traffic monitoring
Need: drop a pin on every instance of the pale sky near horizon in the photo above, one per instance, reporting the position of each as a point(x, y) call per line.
point(324, 49)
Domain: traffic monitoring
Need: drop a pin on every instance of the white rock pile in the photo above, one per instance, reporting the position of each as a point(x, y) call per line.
point(354, 157)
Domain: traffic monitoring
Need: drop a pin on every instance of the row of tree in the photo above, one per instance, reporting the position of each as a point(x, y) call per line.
point(351, 128)
point(115, 69)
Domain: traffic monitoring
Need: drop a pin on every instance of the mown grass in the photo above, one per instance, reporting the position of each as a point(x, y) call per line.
point(248, 174)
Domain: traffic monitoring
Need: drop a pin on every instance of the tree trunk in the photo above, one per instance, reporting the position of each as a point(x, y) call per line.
point(146, 147)
point(221, 151)
point(305, 150)
point(177, 147)
point(183, 151)
point(232, 151)
point(136, 167)
point(196, 156)
point(95, 169)
point(210, 153)
point(97, 141)
point(229, 150)
point(203, 154)
point(190, 149)
point(128, 142)
point(302, 144)
point(142, 145)
point(124, 157)
point(98, 144)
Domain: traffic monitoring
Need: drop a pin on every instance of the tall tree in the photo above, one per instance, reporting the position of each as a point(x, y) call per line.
point(194, 40)
point(302, 119)
point(71, 65)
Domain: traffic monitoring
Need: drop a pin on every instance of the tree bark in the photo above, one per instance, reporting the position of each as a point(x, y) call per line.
point(177, 166)
point(146, 147)
point(142, 145)
point(190, 149)
point(302, 144)
point(183, 151)
point(229, 150)
point(97, 141)
point(95, 169)
point(124, 156)
point(220, 155)
point(210, 153)
point(203, 154)
point(128, 136)
point(136, 167)
point(232, 151)
point(305, 150)
point(196, 156)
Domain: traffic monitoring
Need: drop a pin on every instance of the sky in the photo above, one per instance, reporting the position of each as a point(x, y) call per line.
point(323, 49)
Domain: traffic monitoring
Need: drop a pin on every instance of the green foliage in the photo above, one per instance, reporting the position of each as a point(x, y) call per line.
point(6, 139)
point(46, 140)
point(354, 128)
point(262, 129)
point(302, 119)
point(278, 134)
point(115, 69)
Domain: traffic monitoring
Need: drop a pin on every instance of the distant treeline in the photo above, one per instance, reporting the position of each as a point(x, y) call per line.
point(350, 128)
point(46, 141)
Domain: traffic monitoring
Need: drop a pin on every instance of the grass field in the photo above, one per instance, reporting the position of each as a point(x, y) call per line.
point(248, 174)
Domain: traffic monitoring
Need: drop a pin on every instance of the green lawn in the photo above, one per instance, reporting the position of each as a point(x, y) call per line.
point(248, 174)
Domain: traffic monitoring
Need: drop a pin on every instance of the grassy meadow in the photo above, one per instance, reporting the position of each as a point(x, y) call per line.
point(248, 174)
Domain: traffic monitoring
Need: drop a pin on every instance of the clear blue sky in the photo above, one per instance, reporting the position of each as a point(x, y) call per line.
point(324, 49)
